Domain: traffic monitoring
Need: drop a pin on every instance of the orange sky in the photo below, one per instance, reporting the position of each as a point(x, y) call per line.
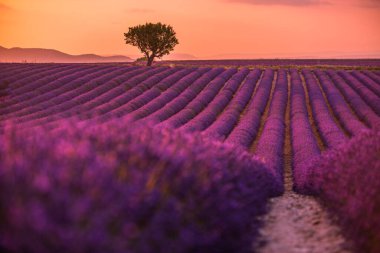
point(205, 28)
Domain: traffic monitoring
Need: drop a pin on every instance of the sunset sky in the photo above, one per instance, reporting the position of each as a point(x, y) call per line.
point(205, 28)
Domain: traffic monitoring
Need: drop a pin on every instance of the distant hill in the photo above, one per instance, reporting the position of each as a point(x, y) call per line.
point(39, 55)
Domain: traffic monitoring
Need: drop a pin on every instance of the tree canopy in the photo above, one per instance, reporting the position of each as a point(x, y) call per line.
point(153, 40)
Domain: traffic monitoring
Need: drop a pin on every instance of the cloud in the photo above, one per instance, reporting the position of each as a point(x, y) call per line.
point(283, 2)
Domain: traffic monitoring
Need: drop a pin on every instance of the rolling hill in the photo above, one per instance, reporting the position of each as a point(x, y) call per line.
point(41, 55)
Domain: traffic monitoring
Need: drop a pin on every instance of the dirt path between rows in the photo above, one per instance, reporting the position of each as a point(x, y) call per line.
point(296, 224)
point(299, 224)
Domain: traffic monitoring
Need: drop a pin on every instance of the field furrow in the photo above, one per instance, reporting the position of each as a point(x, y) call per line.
point(166, 96)
point(207, 116)
point(356, 102)
point(229, 118)
point(367, 94)
point(247, 128)
point(181, 101)
point(341, 108)
point(200, 102)
point(330, 132)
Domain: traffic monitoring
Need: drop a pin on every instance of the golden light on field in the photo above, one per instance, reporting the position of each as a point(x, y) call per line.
point(206, 29)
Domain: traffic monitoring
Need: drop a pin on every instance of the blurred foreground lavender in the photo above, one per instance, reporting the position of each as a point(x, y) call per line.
point(122, 187)
point(347, 180)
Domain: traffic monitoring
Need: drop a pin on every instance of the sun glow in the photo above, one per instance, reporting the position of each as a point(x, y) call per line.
point(205, 29)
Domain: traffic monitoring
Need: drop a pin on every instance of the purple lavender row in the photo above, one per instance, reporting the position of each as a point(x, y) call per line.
point(199, 102)
point(118, 91)
point(206, 117)
point(20, 70)
point(17, 79)
point(164, 82)
point(330, 132)
point(373, 76)
point(26, 90)
point(31, 84)
point(133, 87)
point(64, 101)
point(304, 144)
point(185, 97)
point(357, 103)
point(41, 86)
point(26, 71)
point(341, 109)
point(63, 96)
point(347, 181)
point(6, 76)
point(367, 81)
point(19, 103)
point(109, 90)
point(121, 187)
point(246, 130)
point(63, 109)
point(169, 94)
point(368, 96)
point(140, 94)
point(23, 86)
point(7, 68)
point(18, 85)
point(224, 124)
point(270, 146)
point(81, 105)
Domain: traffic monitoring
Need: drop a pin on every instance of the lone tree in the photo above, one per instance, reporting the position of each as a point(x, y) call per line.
point(153, 40)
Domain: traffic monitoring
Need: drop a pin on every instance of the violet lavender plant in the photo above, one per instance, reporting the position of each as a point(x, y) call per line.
point(120, 187)
point(347, 180)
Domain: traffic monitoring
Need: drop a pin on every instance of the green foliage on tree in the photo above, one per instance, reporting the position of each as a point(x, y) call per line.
point(153, 40)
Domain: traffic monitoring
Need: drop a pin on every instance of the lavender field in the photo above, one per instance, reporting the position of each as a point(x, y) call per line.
point(336, 63)
point(112, 158)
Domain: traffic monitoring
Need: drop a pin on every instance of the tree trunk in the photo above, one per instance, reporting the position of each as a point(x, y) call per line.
point(150, 60)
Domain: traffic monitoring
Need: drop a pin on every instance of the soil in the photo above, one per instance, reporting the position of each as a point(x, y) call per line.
point(297, 223)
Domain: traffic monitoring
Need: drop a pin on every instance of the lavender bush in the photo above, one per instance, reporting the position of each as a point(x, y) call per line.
point(347, 180)
point(120, 187)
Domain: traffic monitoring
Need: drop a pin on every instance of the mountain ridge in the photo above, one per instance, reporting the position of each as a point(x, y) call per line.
point(42, 55)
